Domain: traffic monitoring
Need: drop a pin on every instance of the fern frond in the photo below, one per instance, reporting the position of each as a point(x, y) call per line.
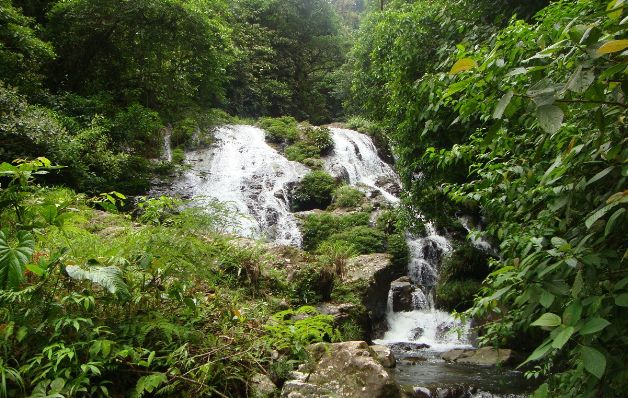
point(108, 277)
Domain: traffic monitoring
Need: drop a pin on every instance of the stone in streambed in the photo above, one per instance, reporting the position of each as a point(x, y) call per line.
point(401, 291)
point(349, 369)
point(384, 355)
point(485, 356)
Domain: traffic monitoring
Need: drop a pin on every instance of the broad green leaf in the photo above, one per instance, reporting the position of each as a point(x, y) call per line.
point(13, 258)
point(572, 313)
point(581, 80)
point(616, 7)
point(462, 65)
point(594, 361)
point(547, 320)
point(622, 300)
point(597, 215)
point(594, 325)
point(600, 175)
point(546, 299)
point(550, 118)
point(563, 337)
point(539, 353)
point(502, 104)
point(613, 46)
point(542, 391)
point(612, 220)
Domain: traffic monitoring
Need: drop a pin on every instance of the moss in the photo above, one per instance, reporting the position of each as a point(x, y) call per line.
point(313, 191)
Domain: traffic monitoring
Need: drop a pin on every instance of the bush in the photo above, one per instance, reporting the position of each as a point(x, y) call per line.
point(389, 222)
point(397, 247)
point(347, 197)
point(319, 138)
point(301, 151)
point(138, 127)
point(280, 130)
point(364, 239)
point(312, 284)
point(317, 227)
point(313, 191)
point(465, 262)
point(334, 256)
point(178, 156)
point(456, 295)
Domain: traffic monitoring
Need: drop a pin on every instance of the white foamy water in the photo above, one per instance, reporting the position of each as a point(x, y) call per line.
point(167, 145)
point(438, 329)
point(245, 172)
point(355, 158)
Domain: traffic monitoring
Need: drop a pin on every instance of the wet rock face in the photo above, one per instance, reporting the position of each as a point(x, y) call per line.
point(485, 356)
point(384, 355)
point(401, 291)
point(348, 369)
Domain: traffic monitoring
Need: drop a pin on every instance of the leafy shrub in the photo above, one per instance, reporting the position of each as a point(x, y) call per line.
point(294, 330)
point(178, 156)
point(313, 191)
point(317, 227)
point(319, 138)
point(313, 283)
point(465, 262)
point(280, 130)
point(301, 151)
point(334, 256)
point(347, 197)
point(157, 210)
point(184, 130)
point(363, 239)
point(389, 222)
point(138, 127)
point(397, 247)
point(457, 295)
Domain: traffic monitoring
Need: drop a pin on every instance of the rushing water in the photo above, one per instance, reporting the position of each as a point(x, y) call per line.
point(242, 170)
point(167, 145)
point(355, 159)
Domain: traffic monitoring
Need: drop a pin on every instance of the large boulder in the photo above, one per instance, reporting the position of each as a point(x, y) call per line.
point(261, 386)
point(485, 356)
point(384, 355)
point(371, 275)
point(349, 370)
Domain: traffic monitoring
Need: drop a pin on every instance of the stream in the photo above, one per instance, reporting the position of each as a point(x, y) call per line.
point(241, 169)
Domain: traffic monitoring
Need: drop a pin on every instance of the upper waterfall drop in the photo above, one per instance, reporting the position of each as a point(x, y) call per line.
point(244, 171)
point(356, 160)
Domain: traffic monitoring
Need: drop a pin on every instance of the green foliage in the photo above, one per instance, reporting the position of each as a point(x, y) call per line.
point(14, 257)
point(465, 262)
point(456, 295)
point(317, 227)
point(280, 130)
point(314, 191)
point(312, 143)
point(334, 255)
point(397, 247)
point(158, 210)
point(347, 197)
point(527, 125)
point(363, 239)
point(296, 329)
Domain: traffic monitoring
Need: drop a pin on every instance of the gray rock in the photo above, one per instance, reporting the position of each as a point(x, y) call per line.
point(485, 356)
point(417, 332)
point(261, 386)
point(421, 392)
point(349, 369)
point(401, 292)
point(384, 355)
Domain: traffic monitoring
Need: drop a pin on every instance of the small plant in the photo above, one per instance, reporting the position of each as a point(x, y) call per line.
point(363, 239)
point(313, 191)
point(294, 330)
point(281, 130)
point(347, 197)
point(318, 227)
point(178, 156)
point(157, 210)
point(334, 254)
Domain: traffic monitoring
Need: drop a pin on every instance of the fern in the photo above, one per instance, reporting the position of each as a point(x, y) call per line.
point(108, 277)
point(148, 384)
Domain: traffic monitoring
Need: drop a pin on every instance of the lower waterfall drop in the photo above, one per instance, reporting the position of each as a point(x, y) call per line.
point(425, 325)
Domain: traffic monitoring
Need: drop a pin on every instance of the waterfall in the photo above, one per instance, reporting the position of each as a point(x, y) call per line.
point(167, 145)
point(355, 159)
point(242, 170)
point(425, 324)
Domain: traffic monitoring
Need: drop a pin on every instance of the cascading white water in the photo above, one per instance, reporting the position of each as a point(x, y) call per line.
point(425, 324)
point(167, 145)
point(355, 159)
point(244, 171)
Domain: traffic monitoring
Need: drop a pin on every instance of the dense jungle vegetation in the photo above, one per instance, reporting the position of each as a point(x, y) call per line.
point(510, 112)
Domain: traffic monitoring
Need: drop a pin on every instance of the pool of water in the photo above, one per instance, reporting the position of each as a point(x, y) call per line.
point(425, 368)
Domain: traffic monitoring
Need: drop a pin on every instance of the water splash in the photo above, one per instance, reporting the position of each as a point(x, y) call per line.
point(255, 179)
